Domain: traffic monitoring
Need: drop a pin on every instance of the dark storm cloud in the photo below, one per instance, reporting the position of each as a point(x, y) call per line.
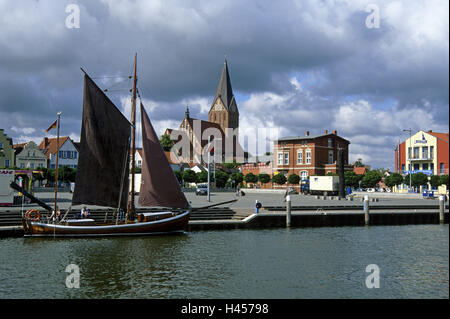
point(325, 45)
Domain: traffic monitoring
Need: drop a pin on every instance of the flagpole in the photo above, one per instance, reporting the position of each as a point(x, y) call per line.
point(56, 165)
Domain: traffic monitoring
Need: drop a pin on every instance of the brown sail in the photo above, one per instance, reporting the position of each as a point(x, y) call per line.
point(159, 186)
point(104, 145)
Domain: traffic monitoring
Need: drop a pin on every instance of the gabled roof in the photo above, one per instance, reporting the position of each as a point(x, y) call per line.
point(224, 90)
point(442, 136)
point(308, 137)
point(51, 147)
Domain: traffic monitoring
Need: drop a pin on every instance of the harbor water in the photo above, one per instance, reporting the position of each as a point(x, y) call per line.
point(328, 262)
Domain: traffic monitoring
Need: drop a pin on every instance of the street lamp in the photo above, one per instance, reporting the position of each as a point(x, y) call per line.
point(409, 153)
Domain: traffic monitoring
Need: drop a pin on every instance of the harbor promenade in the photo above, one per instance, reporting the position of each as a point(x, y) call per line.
point(306, 210)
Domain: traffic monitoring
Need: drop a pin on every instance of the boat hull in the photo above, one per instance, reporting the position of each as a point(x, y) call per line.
point(176, 223)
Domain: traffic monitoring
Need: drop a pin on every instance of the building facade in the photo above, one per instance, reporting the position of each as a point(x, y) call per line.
point(310, 154)
point(67, 152)
point(6, 151)
point(29, 155)
point(424, 152)
point(222, 126)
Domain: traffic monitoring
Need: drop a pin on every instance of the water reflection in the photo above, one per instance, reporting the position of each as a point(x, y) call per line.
point(269, 263)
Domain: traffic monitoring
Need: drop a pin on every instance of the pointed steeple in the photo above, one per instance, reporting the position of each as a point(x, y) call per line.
point(186, 114)
point(224, 90)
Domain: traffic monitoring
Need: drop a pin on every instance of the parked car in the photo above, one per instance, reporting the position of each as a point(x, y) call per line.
point(202, 189)
point(370, 190)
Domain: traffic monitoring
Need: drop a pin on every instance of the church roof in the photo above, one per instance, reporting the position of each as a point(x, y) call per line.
point(224, 90)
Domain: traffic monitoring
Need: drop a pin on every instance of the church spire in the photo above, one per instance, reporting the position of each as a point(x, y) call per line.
point(224, 90)
point(186, 114)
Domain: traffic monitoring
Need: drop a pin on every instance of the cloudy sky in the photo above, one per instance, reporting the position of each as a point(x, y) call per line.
point(294, 65)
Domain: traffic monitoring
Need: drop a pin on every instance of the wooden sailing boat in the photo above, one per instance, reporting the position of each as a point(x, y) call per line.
point(102, 175)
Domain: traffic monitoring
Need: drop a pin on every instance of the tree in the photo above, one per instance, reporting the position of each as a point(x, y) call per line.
point(179, 176)
point(237, 178)
point(331, 174)
point(370, 179)
point(435, 181)
point(358, 163)
point(444, 180)
point(250, 178)
point(166, 142)
point(393, 180)
point(419, 179)
point(279, 179)
point(189, 176)
point(221, 179)
point(202, 177)
point(351, 179)
point(264, 178)
point(293, 179)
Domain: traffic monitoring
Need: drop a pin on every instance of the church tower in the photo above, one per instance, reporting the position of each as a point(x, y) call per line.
point(224, 110)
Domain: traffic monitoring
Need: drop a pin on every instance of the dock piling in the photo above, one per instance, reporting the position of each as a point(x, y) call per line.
point(366, 210)
point(288, 211)
point(441, 208)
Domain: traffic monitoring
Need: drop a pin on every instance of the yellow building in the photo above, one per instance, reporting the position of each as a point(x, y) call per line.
point(425, 152)
point(6, 151)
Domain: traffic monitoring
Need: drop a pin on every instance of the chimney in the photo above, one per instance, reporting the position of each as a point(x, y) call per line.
point(307, 133)
point(430, 131)
point(334, 132)
point(326, 131)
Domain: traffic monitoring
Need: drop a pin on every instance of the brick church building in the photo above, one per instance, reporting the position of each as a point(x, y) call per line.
point(222, 126)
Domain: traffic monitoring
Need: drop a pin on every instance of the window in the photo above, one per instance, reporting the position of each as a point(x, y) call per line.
point(432, 168)
point(304, 174)
point(1, 146)
point(441, 168)
point(330, 157)
point(416, 152)
point(425, 152)
point(330, 142)
point(416, 167)
point(286, 158)
point(425, 166)
point(304, 142)
point(6, 162)
point(409, 152)
point(22, 165)
point(403, 167)
point(308, 157)
point(280, 158)
point(300, 157)
point(431, 152)
point(32, 165)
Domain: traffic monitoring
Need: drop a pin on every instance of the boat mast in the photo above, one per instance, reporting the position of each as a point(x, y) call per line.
point(130, 211)
point(56, 164)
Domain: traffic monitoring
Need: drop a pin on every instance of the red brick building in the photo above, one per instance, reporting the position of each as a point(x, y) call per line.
point(310, 154)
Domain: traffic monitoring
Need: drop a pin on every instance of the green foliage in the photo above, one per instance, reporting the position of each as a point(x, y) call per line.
point(166, 142)
point(331, 174)
point(406, 179)
point(202, 177)
point(179, 176)
point(232, 165)
point(444, 180)
point(294, 179)
point(370, 179)
point(237, 177)
point(264, 178)
point(393, 180)
point(67, 174)
point(351, 179)
point(221, 179)
point(189, 176)
point(358, 163)
point(435, 181)
point(419, 179)
point(251, 178)
point(279, 179)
